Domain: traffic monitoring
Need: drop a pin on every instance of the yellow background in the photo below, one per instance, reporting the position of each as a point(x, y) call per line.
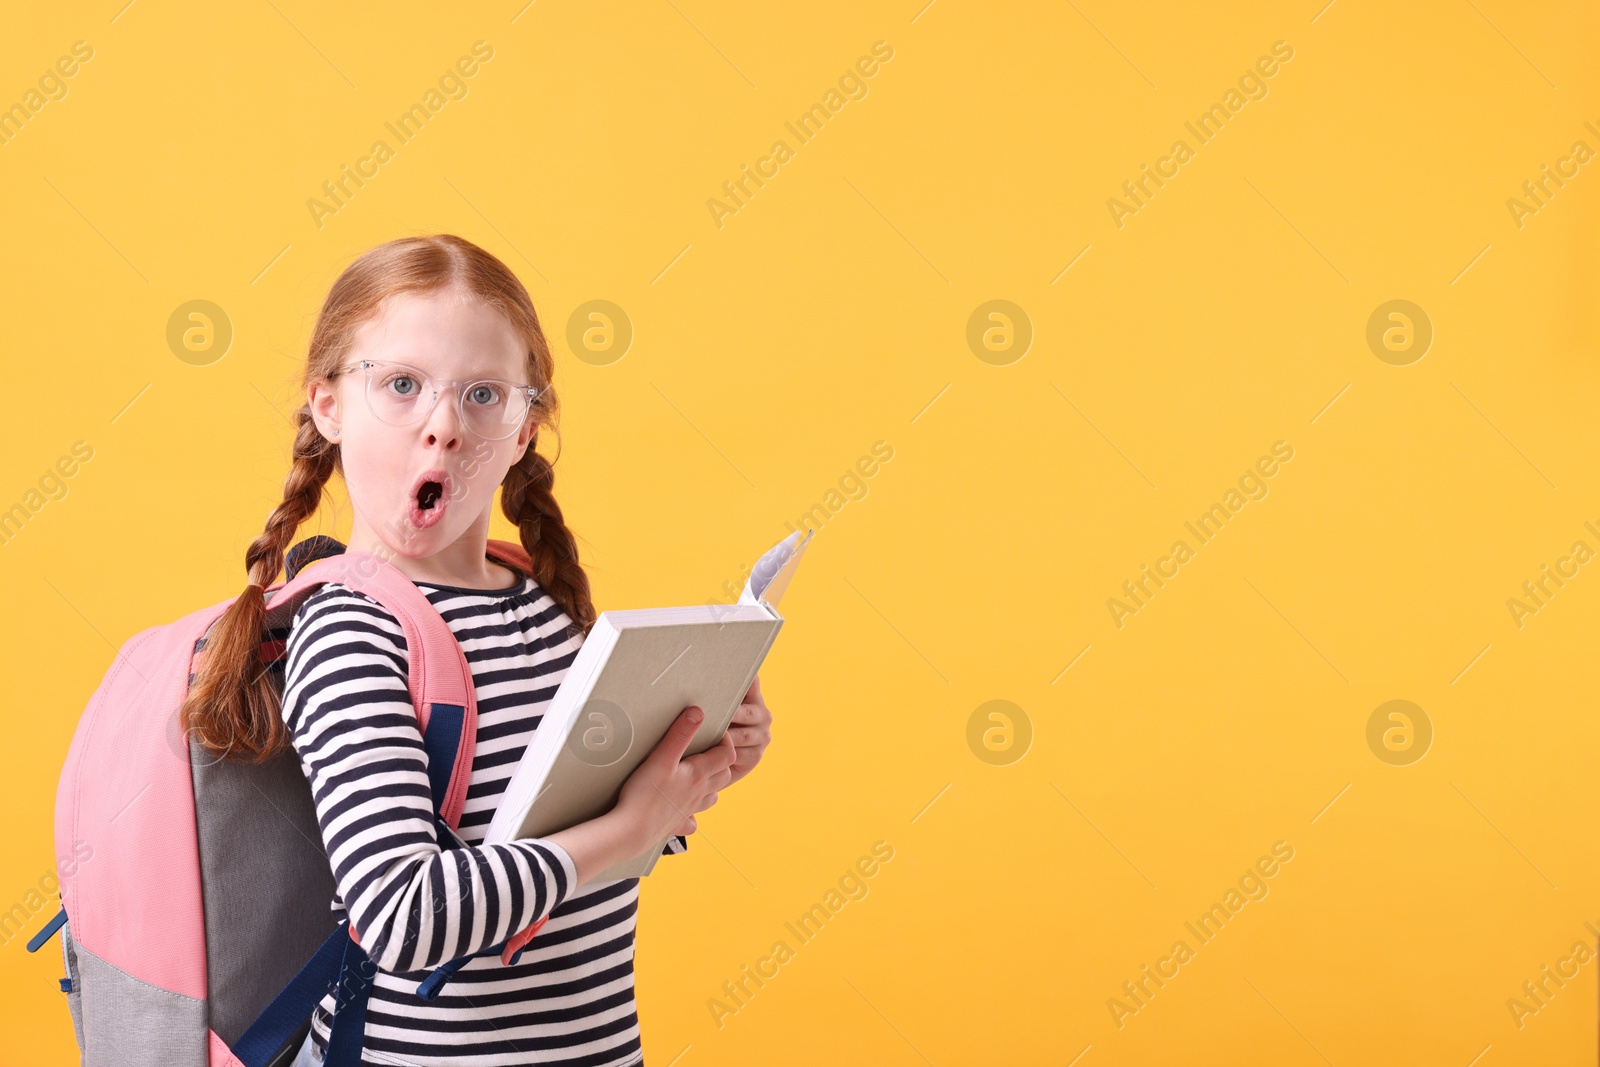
point(772, 352)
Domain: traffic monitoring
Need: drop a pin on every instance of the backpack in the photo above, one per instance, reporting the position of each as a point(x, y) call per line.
point(195, 920)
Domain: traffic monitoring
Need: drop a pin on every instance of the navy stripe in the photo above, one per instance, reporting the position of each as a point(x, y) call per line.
point(569, 998)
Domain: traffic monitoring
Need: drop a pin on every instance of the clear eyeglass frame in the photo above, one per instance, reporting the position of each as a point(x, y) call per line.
point(404, 411)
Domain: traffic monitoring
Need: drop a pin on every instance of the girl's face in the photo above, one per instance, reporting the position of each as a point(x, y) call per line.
point(424, 490)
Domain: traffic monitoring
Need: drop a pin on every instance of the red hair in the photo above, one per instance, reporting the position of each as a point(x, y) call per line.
point(233, 707)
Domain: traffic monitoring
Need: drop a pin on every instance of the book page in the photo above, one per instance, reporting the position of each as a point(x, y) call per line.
point(770, 576)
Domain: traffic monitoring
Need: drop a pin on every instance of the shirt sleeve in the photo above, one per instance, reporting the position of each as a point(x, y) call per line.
point(676, 844)
point(349, 712)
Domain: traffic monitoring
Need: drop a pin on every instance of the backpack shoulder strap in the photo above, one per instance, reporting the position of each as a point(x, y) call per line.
point(440, 679)
point(512, 555)
point(442, 692)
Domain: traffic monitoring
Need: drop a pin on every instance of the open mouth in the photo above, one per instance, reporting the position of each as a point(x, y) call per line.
point(430, 495)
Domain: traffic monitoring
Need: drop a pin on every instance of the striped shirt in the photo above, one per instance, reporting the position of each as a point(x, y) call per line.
point(569, 998)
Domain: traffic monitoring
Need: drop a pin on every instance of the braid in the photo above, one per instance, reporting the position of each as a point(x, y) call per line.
point(526, 499)
point(233, 708)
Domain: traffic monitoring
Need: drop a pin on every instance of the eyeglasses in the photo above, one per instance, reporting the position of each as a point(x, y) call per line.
point(400, 395)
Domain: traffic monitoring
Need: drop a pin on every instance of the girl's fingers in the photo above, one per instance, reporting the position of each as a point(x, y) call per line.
point(672, 746)
point(749, 715)
point(720, 755)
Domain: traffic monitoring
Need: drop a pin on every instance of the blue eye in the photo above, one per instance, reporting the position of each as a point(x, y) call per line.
point(485, 393)
point(404, 385)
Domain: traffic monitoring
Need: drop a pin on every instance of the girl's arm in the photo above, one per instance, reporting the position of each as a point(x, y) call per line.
point(600, 842)
point(351, 719)
point(659, 797)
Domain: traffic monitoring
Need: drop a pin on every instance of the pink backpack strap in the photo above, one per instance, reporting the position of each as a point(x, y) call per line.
point(440, 683)
point(512, 555)
point(440, 675)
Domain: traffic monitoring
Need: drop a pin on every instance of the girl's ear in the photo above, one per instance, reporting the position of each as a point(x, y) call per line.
point(323, 401)
point(524, 436)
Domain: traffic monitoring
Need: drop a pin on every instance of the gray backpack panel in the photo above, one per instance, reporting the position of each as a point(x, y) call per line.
point(265, 878)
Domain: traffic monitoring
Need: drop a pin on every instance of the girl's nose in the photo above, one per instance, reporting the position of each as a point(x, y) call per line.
point(443, 424)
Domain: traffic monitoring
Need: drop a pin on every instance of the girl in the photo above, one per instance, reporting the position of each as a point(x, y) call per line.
point(427, 380)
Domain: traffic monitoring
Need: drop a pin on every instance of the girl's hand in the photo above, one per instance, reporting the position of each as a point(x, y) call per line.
point(751, 730)
point(662, 795)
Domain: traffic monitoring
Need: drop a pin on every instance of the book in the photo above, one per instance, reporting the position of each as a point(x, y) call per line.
point(633, 676)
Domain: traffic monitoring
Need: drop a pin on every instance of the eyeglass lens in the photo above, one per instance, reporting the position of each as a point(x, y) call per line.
point(403, 396)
